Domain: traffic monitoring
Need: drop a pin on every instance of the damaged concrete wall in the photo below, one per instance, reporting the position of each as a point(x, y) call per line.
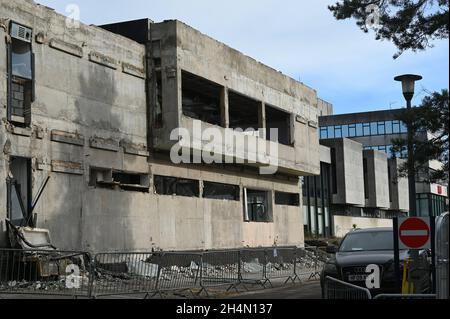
point(181, 223)
point(182, 48)
point(90, 112)
point(84, 90)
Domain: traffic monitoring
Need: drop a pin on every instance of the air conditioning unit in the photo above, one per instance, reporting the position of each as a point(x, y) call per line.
point(21, 33)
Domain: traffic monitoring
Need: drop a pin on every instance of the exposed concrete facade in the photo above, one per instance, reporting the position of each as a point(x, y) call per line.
point(376, 179)
point(91, 112)
point(184, 49)
point(398, 186)
point(348, 161)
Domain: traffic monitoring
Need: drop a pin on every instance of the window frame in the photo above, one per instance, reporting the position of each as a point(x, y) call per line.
point(269, 213)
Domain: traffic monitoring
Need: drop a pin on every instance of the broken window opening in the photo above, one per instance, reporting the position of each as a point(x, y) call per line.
point(287, 199)
point(257, 206)
point(165, 185)
point(157, 62)
point(280, 120)
point(107, 178)
point(201, 99)
point(20, 75)
point(19, 191)
point(221, 191)
point(158, 116)
point(243, 112)
point(366, 178)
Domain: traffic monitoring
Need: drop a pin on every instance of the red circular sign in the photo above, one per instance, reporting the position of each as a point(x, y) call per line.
point(414, 233)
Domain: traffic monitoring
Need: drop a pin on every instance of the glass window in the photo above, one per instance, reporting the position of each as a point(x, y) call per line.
point(366, 129)
point(324, 132)
point(344, 130)
point(388, 127)
point(403, 128)
point(382, 148)
point(374, 128)
point(337, 131)
point(21, 59)
point(368, 241)
point(257, 205)
point(359, 129)
point(330, 131)
point(381, 128)
point(352, 130)
point(395, 127)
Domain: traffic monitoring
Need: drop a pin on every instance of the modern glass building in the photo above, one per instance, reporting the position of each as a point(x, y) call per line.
point(375, 131)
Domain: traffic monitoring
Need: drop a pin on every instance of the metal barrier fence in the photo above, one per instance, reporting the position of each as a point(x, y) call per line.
point(123, 273)
point(126, 273)
point(178, 271)
point(309, 262)
point(220, 268)
point(45, 272)
point(253, 267)
point(337, 289)
point(281, 264)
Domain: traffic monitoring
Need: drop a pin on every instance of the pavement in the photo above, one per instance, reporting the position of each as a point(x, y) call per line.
point(304, 290)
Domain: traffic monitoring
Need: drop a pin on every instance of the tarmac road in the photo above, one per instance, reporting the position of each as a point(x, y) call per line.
point(305, 290)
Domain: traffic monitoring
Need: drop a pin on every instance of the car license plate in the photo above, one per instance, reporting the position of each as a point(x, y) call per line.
point(357, 277)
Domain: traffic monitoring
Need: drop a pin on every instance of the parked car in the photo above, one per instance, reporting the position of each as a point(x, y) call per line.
point(363, 247)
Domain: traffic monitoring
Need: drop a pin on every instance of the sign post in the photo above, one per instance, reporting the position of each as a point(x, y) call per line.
point(398, 283)
point(412, 233)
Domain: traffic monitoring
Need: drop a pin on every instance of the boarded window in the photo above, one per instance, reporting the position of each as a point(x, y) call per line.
point(165, 185)
point(257, 206)
point(289, 199)
point(281, 121)
point(201, 99)
point(220, 191)
point(244, 112)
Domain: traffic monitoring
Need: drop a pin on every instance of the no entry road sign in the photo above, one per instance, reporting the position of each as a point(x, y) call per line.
point(414, 233)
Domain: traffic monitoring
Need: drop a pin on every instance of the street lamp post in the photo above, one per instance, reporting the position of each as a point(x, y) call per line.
point(408, 83)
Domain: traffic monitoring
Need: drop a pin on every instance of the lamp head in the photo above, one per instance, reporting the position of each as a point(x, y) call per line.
point(408, 84)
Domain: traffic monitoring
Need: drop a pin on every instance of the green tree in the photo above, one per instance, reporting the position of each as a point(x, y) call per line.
point(409, 24)
point(430, 121)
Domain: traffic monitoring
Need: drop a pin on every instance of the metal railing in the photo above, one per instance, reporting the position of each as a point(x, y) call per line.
point(45, 272)
point(78, 274)
point(123, 273)
point(220, 268)
point(338, 289)
point(178, 271)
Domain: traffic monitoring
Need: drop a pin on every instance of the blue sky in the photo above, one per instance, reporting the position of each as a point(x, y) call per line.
point(300, 38)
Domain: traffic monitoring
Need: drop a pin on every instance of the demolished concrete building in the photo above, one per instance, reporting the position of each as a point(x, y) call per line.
point(94, 108)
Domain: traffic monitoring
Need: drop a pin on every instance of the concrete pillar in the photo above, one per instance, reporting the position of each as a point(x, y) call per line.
point(262, 120)
point(224, 108)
